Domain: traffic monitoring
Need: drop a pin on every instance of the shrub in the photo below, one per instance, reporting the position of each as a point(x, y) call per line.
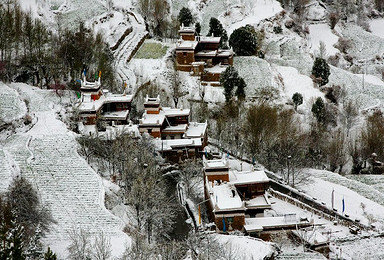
point(244, 41)
point(333, 19)
point(277, 29)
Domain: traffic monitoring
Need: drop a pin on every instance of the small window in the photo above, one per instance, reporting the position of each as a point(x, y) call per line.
point(230, 219)
point(149, 131)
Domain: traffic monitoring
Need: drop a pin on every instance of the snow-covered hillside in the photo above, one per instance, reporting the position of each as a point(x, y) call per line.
point(47, 156)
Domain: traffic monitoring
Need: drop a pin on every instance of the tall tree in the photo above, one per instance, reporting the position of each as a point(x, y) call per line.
point(185, 16)
point(230, 80)
point(216, 29)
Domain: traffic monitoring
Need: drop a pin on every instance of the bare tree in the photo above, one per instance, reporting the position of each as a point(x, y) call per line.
point(101, 247)
point(337, 150)
point(80, 246)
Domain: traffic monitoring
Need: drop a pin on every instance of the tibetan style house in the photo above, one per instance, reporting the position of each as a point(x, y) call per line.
point(233, 196)
point(98, 104)
point(176, 137)
point(201, 56)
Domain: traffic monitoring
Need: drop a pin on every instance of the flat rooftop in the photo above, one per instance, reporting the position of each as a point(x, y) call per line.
point(247, 177)
point(152, 119)
point(189, 45)
point(172, 112)
point(169, 145)
point(221, 197)
point(196, 130)
point(215, 164)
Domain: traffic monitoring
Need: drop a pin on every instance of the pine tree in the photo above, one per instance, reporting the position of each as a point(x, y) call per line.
point(216, 29)
point(230, 80)
point(198, 28)
point(318, 110)
point(321, 70)
point(49, 255)
point(185, 16)
point(297, 99)
point(244, 41)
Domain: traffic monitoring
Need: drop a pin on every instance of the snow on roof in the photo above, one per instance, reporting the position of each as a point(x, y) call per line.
point(258, 224)
point(185, 29)
point(209, 39)
point(171, 112)
point(196, 130)
point(110, 98)
point(168, 145)
point(86, 85)
point(247, 177)
point(116, 115)
point(258, 202)
point(151, 100)
point(206, 53)
point(152, 119)
point(216, 164)
point(224, 53)
point(186, 44)
point(95, 105)
point(222, 197)
point(216, 69)
point(176, 128)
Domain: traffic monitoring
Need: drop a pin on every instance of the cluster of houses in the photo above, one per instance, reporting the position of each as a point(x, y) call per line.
point(201, 56)
point(236, 200)
point(175, 136)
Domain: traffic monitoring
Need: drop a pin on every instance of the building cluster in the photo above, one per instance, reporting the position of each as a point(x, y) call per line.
point(176, 138)
point(201, 56)
point(237, 200)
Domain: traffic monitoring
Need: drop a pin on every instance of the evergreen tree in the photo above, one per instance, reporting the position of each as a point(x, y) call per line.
point(321, 70)
point(185, 16)
point(244, 41)
point(49, 255)
point(216, 29)
point(318, 110)
point(297, 99)
point(230, 80)
point(198, 28)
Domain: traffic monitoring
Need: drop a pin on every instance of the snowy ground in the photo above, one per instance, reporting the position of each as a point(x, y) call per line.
point(47, 156)
point(322, 32)
point(11, 106)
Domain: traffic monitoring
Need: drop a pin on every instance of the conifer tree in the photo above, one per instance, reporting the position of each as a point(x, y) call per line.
point(318, 110)
point(49, 255)
point(216, 29)
point(230, 80)
point(321, 70)
point(185, 16)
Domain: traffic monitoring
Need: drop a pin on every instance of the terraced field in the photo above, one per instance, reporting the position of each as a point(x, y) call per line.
point(47, 156)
